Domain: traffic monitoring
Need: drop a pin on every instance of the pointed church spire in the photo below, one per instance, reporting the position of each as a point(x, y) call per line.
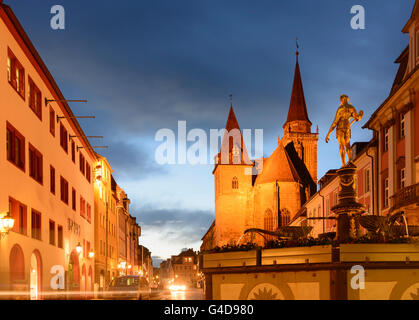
point(297, 110)
point(228, 140)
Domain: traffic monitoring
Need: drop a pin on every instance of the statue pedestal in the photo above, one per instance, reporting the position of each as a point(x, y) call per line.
point(347, 207)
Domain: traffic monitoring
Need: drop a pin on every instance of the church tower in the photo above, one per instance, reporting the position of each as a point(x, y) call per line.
point(297, 128)
point(233, 185)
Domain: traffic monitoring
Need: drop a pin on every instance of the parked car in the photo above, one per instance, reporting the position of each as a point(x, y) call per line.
point(130, 287)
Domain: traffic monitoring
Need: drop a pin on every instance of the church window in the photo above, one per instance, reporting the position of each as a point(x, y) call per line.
point(235, 183)
point(285, 217)
point(270, 223)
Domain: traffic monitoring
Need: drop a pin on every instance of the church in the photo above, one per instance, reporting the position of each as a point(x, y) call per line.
point(270, 197)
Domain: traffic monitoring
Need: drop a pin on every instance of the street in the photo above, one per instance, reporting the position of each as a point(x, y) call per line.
point(188, 294)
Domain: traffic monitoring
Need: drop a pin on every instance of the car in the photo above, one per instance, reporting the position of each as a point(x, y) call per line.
point(130, 287)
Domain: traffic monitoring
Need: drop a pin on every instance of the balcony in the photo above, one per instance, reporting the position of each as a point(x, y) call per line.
point(404, 197)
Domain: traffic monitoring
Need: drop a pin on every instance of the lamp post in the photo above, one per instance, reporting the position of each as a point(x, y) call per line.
point(6, 224)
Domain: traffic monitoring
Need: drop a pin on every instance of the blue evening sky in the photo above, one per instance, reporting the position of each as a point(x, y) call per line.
point(144, 65)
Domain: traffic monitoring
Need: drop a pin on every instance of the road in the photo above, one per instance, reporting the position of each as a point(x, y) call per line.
point(188, 294)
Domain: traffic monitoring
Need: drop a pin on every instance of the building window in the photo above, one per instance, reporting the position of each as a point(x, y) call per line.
point(402, 126)
point(87, 172)
point(235, 183)
point(82, 164)
point(385, 144)
point(63, 138)
point(386, 193)
point(36, 224)
point(60, 236)
point(52, 179)
point(402, 178)
point(15, 145)
point(89, 213)
point(367, 180)
point(64, 190)
point(15, 74)
point(82, 207)
point(52, 232)
point(35, 164)
point(335, 198)
point(73, 151)
point(285, 217)
point(18, 212)
point(52, 121)
point(73, 199)
point(270, 223)
point(35, 99)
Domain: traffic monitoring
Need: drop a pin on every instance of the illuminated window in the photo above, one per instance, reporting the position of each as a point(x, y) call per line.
point(15, 74)
point(35, 99)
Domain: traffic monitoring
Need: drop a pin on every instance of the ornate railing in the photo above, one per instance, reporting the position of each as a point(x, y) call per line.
point(404, 197)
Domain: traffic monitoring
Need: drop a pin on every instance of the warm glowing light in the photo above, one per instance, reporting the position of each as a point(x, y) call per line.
point(129, 267)
point(174, 287)
point(91, 254)
point(79, 248)
point(6, 223)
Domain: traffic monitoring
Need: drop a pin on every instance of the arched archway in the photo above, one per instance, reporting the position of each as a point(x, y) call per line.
point(74, 272)
point(83, 281)
point(16, 264)
point(90, 282)
point(35, 275)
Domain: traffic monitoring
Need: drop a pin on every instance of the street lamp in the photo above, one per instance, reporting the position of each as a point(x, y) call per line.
point(91, 254)
point(79, 248)
point(6, 224)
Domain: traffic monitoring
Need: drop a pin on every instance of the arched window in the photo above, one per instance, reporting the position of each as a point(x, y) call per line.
point(285, 217)
point(235, 183)
point(16, 264)
point(270, 223)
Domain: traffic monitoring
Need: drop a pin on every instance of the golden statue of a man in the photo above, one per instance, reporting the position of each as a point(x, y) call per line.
point(343, 124)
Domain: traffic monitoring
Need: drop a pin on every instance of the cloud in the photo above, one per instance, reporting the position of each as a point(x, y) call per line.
point(166, 231)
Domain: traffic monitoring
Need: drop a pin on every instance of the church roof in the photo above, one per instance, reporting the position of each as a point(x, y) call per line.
point(228, 141)
point(278, 167)
point(298, 108)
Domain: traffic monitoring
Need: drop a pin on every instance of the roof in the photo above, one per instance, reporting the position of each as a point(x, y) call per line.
point(297, 110)
point(412, 17)
point(278, 167)
point(228, 138)
point(39, 64)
